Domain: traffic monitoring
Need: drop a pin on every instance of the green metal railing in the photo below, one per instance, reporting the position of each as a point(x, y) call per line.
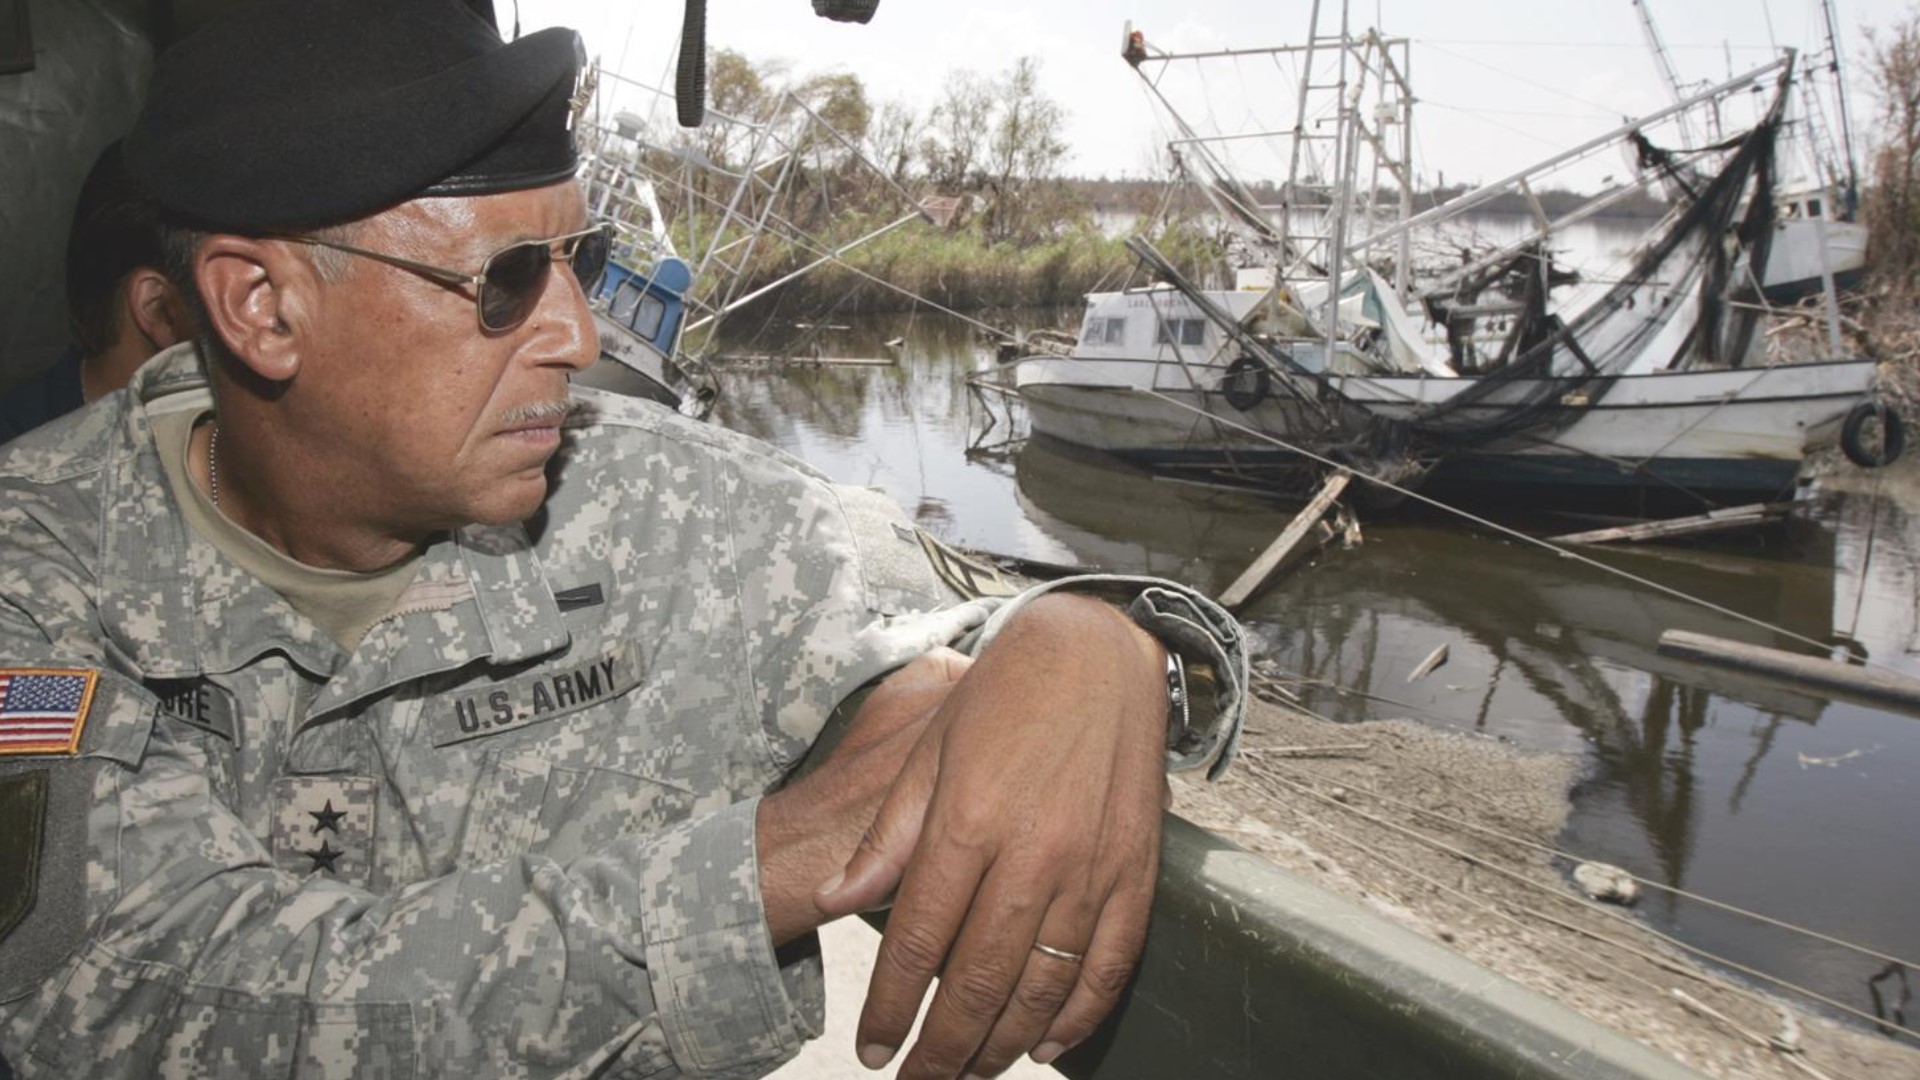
point(1252, 972)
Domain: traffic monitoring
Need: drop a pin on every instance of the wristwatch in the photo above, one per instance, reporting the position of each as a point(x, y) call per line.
point(1179, 710)
point(1192, 703)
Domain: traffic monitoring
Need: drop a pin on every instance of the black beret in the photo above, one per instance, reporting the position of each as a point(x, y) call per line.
point(284, 114)
point(115, 231)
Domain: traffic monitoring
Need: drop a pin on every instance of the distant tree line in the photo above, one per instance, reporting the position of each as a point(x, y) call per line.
point(996, 141)
point(1892, 203)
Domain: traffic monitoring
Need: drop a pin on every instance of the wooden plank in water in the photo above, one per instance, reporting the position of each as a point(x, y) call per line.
point(1426, 667)
point(1731, 517)
point(1874, 685)
point(803, 358)
point(1263, 567)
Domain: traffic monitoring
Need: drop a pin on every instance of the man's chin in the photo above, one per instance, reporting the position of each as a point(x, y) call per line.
point(512, 501)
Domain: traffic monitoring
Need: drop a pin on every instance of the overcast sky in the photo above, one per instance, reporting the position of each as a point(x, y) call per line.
point(1499, 83)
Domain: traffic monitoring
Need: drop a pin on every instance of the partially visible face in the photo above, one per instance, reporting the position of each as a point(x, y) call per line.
point(428, 421)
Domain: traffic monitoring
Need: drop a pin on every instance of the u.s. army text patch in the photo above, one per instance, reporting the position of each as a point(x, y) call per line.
point(44, 710)
point(543, 694)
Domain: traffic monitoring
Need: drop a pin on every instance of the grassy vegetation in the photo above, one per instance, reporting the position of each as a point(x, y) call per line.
point(962, 270)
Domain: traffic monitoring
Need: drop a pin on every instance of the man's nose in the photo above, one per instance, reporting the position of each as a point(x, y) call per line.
point(566, 335)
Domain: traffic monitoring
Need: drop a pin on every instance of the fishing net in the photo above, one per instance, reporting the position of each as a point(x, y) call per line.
point(1704, 252)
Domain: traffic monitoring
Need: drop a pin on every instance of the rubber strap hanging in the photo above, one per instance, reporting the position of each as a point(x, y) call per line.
point(690, 79)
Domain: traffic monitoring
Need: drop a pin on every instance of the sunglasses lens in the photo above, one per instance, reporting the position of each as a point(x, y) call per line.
point(515, 279)
point(590, 258)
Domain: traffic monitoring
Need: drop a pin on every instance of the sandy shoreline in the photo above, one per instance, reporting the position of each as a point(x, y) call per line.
point(1344, 819)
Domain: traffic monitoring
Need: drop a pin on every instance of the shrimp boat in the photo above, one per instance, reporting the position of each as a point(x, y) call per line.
point(1497, 374)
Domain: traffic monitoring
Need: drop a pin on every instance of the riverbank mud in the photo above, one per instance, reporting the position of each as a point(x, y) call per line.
point(1357, 808)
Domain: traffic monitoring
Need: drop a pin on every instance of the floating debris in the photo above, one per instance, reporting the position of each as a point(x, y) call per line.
point(1605, 883)
point(1830, 762)
point(1434, 659)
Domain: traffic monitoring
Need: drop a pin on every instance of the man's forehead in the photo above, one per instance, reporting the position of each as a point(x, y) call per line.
point(485, 223)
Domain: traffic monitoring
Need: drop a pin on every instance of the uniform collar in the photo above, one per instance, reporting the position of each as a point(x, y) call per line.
point(180, 608)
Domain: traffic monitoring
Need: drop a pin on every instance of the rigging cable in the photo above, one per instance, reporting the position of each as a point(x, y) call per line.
point(1596, 908)
point(1549, 88)
point(1373, 852)
point(1504, 530)
point(1866, 560)
point(1648, 882)
point(802, 239)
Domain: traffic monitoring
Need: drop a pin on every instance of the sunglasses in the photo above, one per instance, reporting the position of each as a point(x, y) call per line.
point(511, 281)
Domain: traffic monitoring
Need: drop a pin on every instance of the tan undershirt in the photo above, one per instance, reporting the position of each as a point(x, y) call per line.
point(341, 602)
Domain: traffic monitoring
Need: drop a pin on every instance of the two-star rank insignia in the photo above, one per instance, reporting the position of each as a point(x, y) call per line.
point(325, 819)
point(324, 825)
point(324, 857)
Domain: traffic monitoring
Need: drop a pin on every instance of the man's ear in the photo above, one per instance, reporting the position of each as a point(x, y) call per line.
point(247, 286)
point(155, 308)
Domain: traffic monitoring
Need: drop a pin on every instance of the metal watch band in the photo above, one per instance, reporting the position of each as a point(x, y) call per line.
point(1179, 718)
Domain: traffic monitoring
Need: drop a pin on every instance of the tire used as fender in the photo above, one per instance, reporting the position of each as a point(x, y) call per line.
point(1246, 384)
point(1853, 441)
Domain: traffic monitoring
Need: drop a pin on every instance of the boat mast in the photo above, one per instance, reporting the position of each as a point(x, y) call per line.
point(1342, 178)
point(1291, 193)
point(1840, 104)
point(1663, 62)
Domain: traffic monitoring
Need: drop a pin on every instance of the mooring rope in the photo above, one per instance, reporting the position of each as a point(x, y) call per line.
point(1593, 907)
point(1648, 882)
point(1793, 1057)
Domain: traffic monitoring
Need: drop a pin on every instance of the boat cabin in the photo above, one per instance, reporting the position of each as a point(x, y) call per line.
point(649, 305)
point(1156, 324)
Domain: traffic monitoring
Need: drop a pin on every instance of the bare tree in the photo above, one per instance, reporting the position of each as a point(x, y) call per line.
point(1027, 144)
point(1893, 205)
point(894, 136)
point(959, 130)
point(740, 88)
point(840, 101)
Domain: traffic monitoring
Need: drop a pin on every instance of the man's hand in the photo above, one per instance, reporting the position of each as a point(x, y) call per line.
point(808, 829)
point(1028, 815)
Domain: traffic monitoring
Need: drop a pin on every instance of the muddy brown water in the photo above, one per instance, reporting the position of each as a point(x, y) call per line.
point(1753, 792)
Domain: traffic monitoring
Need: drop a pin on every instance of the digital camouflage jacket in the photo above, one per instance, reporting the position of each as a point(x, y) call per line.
point(513, 833)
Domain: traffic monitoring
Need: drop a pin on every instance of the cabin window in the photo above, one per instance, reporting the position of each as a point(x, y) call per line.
point(1104, 331)
point(646, 320)
point(1182, 332)
point(637, 309)
point(624, 302)
point(1813, 207)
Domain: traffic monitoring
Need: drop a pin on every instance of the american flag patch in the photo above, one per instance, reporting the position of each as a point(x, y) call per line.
point(42, 711)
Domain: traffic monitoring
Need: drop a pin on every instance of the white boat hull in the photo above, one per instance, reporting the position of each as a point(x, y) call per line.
point(1730, 430)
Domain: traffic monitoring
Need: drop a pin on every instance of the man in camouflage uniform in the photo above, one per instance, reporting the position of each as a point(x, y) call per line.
point(371, 706)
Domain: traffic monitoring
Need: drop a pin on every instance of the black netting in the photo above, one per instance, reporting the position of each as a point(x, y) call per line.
point(1573, 363)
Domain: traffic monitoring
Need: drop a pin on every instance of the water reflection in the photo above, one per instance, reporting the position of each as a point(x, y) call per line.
point(1733, 786)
